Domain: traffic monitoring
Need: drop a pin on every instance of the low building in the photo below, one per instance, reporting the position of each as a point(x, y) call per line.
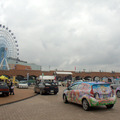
point(22, 65)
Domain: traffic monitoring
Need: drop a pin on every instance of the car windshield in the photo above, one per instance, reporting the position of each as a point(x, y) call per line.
point(2, 83)
point(101, 88)
point(23, 82)
point(51, 83)
point(48, 80)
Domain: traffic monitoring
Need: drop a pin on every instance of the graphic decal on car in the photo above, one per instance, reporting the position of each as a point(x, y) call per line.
point(102, 94)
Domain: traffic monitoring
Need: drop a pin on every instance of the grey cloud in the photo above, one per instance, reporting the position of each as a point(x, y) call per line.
point(66, 33)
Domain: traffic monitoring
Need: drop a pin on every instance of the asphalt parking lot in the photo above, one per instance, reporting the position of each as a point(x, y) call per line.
point(51, 107)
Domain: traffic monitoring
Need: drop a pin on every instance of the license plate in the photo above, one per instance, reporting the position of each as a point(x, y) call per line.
point(105, 96)
point(52, 91)
point(0, 93)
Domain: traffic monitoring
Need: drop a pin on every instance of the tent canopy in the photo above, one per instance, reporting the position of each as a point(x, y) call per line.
point(47, 77)
point(64, 73)
point(2, 77)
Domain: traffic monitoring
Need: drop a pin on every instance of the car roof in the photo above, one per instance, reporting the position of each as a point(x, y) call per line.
point(98, 83)
point(91, 83)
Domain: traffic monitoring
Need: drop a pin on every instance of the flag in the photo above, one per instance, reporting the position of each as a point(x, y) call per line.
point(75, 67)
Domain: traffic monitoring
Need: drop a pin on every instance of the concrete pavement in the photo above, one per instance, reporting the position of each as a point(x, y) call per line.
point(52, 107)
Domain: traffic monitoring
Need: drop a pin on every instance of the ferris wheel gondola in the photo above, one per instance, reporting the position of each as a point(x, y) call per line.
point(8, 47)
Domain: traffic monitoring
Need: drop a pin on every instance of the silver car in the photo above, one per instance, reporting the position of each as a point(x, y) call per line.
point(23, 84)
point(115, 84)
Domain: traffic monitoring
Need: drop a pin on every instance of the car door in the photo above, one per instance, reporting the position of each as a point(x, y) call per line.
point(79, 93)
point(71, 94)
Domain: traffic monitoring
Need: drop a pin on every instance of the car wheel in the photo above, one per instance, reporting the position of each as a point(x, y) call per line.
point(65, 99)
point(85, 105)
point(7, 94)
point(118, 93)
point(109, 106)
point(55, 93)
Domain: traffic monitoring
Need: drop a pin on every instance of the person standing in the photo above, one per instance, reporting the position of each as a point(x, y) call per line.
point(11, 87)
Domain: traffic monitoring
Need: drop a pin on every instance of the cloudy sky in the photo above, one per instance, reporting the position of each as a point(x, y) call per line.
point(63, 34)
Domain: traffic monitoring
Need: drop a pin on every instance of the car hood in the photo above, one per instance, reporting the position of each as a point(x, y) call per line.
point(24, 84)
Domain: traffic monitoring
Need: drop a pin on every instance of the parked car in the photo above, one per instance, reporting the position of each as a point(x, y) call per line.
point(118, 92)
point(22, 84)
point(115, 84)
point(4, 89)
point(46, 86)
point(90, 94)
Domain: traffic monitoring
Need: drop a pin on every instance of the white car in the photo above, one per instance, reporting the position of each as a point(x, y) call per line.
point(115, 84)
point(22, 84)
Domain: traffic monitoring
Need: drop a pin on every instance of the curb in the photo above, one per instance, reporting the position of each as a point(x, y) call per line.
point(18, 100)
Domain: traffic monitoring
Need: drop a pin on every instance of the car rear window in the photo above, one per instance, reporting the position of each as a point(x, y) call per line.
point(51, 83)
point(101, 88)
point(1, 83)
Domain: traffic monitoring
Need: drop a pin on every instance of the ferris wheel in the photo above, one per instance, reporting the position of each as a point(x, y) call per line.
point(8, 47)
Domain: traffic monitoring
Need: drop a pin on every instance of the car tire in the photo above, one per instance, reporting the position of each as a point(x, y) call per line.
point(55, 93)
point(65, 99)
point(85, 105)
point(118, 93)
point(7, 94)
point(3, 94)
point(110, 106)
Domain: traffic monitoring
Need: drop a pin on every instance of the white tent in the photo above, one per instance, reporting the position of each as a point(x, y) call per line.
point(64, 73)
point(47, 77)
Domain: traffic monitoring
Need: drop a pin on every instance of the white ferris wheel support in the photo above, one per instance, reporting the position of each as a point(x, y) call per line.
point(6, 65)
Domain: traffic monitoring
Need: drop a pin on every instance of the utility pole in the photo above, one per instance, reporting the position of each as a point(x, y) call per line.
point(40, 67)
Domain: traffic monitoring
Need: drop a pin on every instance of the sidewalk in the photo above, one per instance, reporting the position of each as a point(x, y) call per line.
point(20, 94)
